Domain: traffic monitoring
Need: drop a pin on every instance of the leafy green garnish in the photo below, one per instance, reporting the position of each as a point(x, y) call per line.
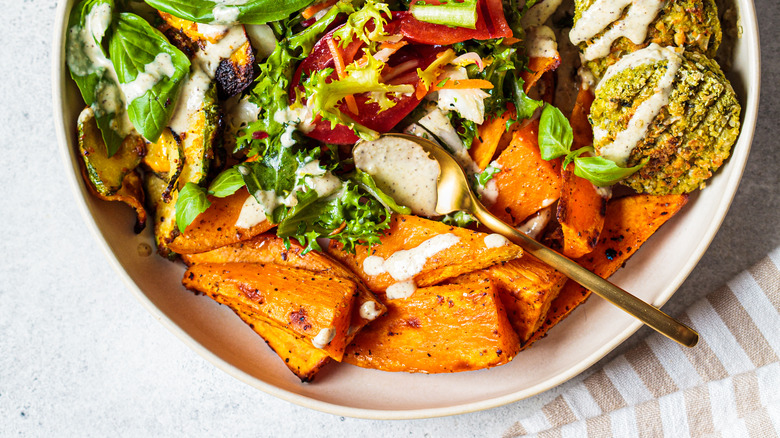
point(555, 133)
point(555, 140)
point(367, 183)
point(191, 202)
point(90, 68)
point(134, 47)
point(324, 96)
point(486, 175)
point(459, 219)
point(211, 12)
point(357, 25)
point(227, 183)
point(449, 13)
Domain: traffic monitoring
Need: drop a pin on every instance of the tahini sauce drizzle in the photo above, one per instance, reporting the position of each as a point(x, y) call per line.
point(620, 148)
point(403, 170)
point(602, 13)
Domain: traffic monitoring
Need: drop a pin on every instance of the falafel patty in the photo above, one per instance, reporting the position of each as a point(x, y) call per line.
point(606, 30)
point(675, 113)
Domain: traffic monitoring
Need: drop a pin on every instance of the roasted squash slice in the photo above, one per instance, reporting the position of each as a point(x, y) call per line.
point(526, 183)
point(106, 173)
point(439, 329)
point(630, 222)
point(527, 287)
point(303, 359)
point(216, 226)
point(165, 230)
point(314, 306)
point(165, 158)
point(267, 248)
point(429, 251)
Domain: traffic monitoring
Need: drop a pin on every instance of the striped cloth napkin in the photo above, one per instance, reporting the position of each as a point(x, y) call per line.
point(728, 385)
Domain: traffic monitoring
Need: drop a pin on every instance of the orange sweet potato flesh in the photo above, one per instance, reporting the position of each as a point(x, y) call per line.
point(526, 183)
point(303, 302)
point(216, 226)
point(490, 137)
point(439, 329)
point(267, 248)
point(630, 222)
point(298, 355)
point(581, 208)
point(407, 232)
point(537, 66)
point(527, 287)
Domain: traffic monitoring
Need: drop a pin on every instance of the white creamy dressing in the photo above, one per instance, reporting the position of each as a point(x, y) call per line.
point(534, 226)
point(297, 118)
point(212, 31)
point(204, 67)
point(368, 311)
point(240, 113)
point(495, 241)
point(153, 73)
point(603, 13)
point(624, 142)
point(85, 56)
point(313, 176)
point(539, 13)
point(541, 42)
point(403, 170)
point(252, 213)
point(401, 290)
point(324, 337)
point(405, 264)
point(262, 38)
point(468, 102)
point(226, 11)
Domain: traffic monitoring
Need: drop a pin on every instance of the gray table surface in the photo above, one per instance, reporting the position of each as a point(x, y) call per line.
point(80, 357)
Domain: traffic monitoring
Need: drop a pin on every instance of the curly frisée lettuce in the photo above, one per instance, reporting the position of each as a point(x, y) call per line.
point(324, 96)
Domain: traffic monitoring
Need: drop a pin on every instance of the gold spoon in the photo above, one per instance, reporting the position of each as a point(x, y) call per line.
point(454, 194)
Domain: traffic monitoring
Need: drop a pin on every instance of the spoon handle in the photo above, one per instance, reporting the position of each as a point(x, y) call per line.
point(656, 319)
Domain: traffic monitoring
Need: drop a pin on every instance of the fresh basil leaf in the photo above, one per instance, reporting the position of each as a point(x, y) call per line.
point(151, 71)
point(227, 182)
point(210, 12)
point(88, 24)
point(601, 171)
point(555, 134)
point(367, 183)
point(191, 202)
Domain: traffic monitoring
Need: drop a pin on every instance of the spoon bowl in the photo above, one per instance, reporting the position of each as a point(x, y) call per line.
point(455, 194)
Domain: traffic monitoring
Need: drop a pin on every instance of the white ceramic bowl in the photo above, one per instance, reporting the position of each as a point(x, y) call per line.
point(591, 332)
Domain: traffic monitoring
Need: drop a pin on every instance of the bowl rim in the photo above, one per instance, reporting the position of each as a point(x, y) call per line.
point(747, 22)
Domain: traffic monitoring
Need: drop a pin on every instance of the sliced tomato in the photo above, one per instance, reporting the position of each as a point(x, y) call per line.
point(368, 114)
point(491, 23)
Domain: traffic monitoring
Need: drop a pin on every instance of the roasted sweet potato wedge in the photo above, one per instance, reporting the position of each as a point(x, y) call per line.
point(424, 251)
point(537, 66)
point(303, 359)
point(216, 226)
point(314, 306)
point(630, 222)
point(581, 208)
point(491, 135)
point(527, 287)
point(267, 248)
point(526, 182)
point(439, 329)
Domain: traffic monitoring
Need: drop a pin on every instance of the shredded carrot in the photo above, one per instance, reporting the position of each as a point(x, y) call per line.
point(510, 40)
point(313, 9)
point(341, 72)
point(460, 84)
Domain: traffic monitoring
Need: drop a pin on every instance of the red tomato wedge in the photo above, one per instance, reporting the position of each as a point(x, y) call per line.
point(408, 58)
